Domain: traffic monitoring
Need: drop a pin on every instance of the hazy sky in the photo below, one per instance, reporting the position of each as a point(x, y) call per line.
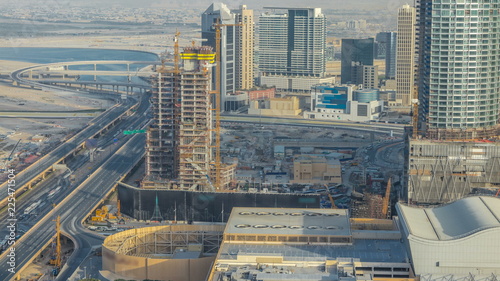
point(252, 4)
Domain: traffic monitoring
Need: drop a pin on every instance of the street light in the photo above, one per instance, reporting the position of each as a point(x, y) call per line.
point(85, 272)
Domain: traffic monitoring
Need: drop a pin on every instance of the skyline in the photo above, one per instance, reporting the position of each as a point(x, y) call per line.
point(255, 4)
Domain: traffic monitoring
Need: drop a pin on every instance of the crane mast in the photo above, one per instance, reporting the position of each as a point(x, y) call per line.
point(218, 97)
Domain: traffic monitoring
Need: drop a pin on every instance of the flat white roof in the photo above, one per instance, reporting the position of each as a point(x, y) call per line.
point(452, 221)
point(289, 221)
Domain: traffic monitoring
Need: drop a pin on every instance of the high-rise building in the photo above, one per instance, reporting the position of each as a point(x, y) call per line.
point(178, 148)
point(355, 51)
point(385, 48)
point(365, 75)
point(405, 58)
point(237, 46)
point(245, 49)
point(292, 42)
point(459, 82)
point(459, 92)
point(389, 40)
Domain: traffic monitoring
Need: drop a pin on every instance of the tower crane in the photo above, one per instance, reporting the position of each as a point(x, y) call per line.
point(218, 97)
point(415, 103)
point(385, 205)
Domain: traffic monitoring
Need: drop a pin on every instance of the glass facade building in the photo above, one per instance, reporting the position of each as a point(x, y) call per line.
point(292, 42)
point(459, 79)
point(355, 51)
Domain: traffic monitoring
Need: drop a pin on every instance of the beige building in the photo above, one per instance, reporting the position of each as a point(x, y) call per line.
point(289, 106)
point(167, 252)
point(405, 55)
point(245, 49)
point(317, 170)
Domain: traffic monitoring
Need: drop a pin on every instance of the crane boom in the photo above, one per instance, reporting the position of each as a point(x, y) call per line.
point(385, 206)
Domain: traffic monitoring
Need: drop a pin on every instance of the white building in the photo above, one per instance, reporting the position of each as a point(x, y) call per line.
point(457, 240)
point(329, 102)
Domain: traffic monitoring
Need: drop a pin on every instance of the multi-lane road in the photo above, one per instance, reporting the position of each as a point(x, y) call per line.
point(80, 202)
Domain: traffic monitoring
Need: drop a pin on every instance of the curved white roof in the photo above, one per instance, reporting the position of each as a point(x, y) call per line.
point(452, 221)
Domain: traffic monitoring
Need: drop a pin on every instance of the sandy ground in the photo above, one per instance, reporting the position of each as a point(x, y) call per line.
point(25, 99)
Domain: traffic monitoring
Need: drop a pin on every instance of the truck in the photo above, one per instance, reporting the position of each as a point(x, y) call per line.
point(32, 207)
point(54, 191)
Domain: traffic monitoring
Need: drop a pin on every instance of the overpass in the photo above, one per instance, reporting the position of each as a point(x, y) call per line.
point(66, 76)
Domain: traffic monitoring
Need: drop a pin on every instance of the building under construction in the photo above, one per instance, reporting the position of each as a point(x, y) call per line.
point(440, 172)
point(179, 141)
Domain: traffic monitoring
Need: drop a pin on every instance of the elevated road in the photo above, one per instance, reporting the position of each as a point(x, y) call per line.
point(79, 203)
point(73, 210)
point(373, 127)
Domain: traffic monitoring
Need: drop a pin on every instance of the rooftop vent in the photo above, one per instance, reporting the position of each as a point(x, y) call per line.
point(295, 227)
point(331, 215)
point(242, 225)
point(260, 226)
point(280, 214)
point(314, 227)
point(278, 226)
point(332, 227)
point(246, 213)
point(297, 214)
point(262, 213)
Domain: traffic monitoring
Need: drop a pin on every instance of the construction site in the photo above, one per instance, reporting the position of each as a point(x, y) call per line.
point(180, 139)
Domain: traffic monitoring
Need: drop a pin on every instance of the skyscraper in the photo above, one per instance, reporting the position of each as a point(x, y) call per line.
point(245, 49)
point(405, 59)
point(220, 13)
point(459, 92)
point(178, 148)
point(389, 39)
point(292, 42)
point(459, 82)
point(355, 51)
point(237, 44)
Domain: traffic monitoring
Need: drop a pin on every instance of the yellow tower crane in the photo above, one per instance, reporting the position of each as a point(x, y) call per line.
point(415, 103)
point(218, 97)
point(385, 205)
point(56, 258)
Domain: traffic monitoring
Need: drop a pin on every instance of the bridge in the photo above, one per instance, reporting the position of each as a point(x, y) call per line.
point(61, 74)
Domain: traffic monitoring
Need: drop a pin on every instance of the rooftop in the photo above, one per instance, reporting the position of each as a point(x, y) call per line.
point(452, 221)
point(273, 221)
point(366, 250)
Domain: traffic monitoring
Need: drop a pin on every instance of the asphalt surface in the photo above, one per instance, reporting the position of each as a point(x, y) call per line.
point(74, 209)
point(62, 150)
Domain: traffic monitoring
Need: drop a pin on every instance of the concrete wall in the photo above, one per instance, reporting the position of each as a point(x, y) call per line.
point(156, 269)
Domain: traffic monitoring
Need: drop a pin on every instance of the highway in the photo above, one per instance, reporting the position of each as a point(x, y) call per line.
point(397, 129)
point(79, 203)
point(74, 209)
point(44, 163)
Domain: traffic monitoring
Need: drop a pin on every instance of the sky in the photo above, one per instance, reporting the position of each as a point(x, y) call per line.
point(252, 4)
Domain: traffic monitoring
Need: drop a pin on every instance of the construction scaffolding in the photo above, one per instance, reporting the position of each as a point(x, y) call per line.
point(179, 142)
point(441, 172)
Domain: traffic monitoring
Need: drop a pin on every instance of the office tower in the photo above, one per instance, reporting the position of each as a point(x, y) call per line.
point(245, 49)
point(459, 84)
point(292, 42)
point(405, 60)
point(220, 13)
point(237, 43)
point(389, 40)
point(355, 51)
point(365, 75)
point(178, 148)
point(380, 45)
